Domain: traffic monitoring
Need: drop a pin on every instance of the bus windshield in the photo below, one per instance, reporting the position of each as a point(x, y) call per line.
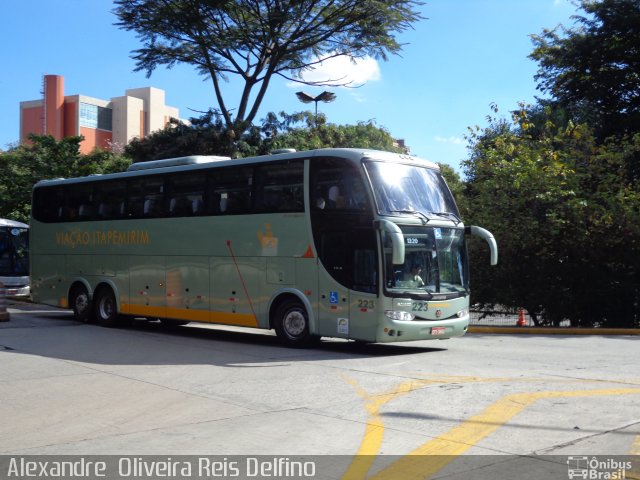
point(402, 189)
point(14, 251)
point(435, 262)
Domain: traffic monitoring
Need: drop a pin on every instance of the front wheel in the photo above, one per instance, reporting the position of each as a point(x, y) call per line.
point(106, 309)
point(292, 325)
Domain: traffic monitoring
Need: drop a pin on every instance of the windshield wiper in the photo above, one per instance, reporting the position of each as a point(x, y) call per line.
point(421, 215)
point(449, 215)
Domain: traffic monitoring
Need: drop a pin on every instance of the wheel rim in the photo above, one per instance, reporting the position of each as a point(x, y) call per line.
point(106, 308)
point(294, 323)
point(82, 303)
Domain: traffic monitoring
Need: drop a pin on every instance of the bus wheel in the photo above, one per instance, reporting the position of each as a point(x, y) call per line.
point(81, 304)
point(292, 325)
point(106, 308)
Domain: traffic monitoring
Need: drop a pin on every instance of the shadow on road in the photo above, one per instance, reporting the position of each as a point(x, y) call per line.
point(50, 332)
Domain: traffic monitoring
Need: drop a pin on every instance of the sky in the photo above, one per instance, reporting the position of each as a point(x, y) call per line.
point(463, 57)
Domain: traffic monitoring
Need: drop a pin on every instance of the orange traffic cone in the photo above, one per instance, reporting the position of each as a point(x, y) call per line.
point(522, 321)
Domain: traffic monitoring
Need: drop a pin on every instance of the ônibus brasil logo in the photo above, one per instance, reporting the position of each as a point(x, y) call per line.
point(596, 468)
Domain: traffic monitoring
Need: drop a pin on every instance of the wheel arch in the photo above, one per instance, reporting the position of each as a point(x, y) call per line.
point(106, 283)
point(78, 282)
point(291, 294)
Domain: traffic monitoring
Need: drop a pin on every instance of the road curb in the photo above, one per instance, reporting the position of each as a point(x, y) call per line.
point(554, 330)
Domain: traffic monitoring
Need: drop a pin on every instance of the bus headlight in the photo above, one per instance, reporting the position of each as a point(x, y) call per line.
point(399, 315)
point(463, 313)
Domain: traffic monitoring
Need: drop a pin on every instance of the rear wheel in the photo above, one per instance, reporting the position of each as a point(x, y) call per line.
point(106, 309)
point(81, 304)
point(292, 325)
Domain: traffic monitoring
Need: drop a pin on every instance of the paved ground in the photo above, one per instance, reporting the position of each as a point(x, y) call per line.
point(382, 410)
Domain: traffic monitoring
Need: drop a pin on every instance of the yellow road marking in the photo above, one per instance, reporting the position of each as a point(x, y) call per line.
point(635, 447)
point(634, 450)
point(432, 456)
point(374, 431)
point(437, 453)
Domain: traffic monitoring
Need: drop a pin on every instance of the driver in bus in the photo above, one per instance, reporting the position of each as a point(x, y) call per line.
point(414, 277)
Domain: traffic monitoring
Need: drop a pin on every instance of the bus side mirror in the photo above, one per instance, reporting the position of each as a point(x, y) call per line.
point(488, 237)
point(397, 240)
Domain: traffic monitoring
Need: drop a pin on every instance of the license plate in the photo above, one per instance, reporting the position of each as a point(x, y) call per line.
point(437, 330)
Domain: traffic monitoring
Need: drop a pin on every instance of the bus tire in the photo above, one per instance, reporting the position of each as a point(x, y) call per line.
point(292, 325)
point(106, 308)
point(81, 304)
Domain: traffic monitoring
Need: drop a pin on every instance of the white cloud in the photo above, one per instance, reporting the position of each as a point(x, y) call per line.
point(451, 140)
point(342, 70)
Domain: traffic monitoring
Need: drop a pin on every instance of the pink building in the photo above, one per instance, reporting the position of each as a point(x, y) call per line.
point(103, 123)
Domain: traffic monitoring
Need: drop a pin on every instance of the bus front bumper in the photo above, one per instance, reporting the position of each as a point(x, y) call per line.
point(405, 331)
point(15, 291)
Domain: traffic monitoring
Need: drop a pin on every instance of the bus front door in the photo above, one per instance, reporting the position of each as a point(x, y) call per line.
point(333, 311)
point(348, 284)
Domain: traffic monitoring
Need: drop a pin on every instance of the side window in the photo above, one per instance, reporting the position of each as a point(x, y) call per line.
point(80, 202)
point(336, 185)
point(186, 194)
point(230, 191)
point(145, 197)
point(110, 200)
point(48, 204)
point(280, 187)
point(341, 220)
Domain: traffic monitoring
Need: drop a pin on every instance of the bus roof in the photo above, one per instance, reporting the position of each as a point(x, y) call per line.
point(194, 162)
point(175, 162)
point(4, 222)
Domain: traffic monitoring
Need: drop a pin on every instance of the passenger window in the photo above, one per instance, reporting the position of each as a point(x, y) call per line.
point(110, 197)
point(280, 187)
point(48, 205)
point(80, 203)
point(337, 185)
point(145, 198)
point(230, 191)
point(186, 193)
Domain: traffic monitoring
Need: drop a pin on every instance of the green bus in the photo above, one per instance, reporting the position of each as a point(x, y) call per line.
point(349, 243)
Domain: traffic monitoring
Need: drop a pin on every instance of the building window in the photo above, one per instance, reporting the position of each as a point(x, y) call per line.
point(93, 116)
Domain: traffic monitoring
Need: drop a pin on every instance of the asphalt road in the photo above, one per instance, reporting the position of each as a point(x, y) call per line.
point(383, 411)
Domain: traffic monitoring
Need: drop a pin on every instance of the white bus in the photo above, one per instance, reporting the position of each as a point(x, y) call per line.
point(349, 243)
point(14, 257)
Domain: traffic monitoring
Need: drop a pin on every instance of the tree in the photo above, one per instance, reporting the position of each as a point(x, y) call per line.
point(288, 134)
point(559, 186)
point(257, 39)
point(592, 69)
point(206, 135)
point(21, 167)
point(566, 218)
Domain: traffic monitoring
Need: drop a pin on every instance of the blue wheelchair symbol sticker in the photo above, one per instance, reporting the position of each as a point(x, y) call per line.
point(333, 297)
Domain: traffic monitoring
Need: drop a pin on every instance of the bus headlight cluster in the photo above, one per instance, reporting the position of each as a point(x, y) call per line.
point(399, 315)
point(463, 313)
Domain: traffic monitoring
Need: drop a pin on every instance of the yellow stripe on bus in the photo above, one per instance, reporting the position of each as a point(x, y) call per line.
point(226, 318)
